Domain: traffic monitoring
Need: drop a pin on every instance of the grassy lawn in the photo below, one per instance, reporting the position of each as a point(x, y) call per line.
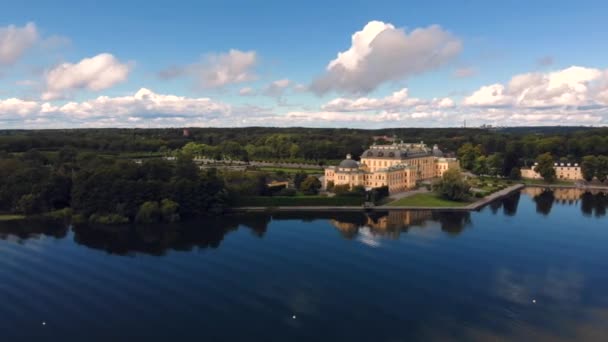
point(288, 201)
point(289, 170)
point(11, 217)
point(426, 200)
point(489, 185)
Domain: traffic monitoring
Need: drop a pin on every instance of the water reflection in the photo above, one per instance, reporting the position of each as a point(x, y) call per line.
point(365, 227)
point(592, 202)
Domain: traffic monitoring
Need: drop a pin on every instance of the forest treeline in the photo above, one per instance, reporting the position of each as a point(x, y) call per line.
point(96, 175)
point(312, 144)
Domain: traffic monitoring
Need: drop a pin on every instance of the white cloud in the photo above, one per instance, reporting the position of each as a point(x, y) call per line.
point(217, 70)
point(247, 91)
point(14, 41)
point(144, 103)
point(13, 106)
point(277, 88)
point(571, 87)
point(95, 73)
point(491, 95)
point(380, 53)
point(399, 101)
point(396, 101)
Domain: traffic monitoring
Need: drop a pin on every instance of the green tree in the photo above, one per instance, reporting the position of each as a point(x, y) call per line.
point(480, 166)
point(169, 210)
point(545, 167)
point(310, 186)
point(515, 173)
point(467, 154)
point(298, 178)
point(148, 212)
point(589, 167)
point(602, 168)
point(452, 186)
point(495, 164)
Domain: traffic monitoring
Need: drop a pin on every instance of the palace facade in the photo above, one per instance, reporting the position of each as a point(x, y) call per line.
point(565, 171)
point(398, 166)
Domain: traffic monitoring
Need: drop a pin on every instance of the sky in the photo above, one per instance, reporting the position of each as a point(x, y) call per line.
point(367, 64)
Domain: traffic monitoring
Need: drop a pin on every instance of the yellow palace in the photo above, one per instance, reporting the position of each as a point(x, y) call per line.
point(398, 166)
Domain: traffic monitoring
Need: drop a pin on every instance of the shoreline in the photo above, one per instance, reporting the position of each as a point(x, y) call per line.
point(477, 205)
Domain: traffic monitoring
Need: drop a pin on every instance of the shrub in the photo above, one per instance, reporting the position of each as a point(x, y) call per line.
point(148, 212)
point(310, 186)
point(452, 186)
point(169, 210)
point(289, 192)
point(108, 219)
point(341, 189)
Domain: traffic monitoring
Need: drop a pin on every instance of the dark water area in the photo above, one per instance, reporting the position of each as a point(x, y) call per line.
point(533, 266)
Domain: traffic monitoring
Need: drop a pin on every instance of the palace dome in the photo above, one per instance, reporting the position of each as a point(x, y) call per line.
point(348, 163)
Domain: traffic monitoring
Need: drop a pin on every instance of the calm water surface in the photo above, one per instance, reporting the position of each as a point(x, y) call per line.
point(531, 267)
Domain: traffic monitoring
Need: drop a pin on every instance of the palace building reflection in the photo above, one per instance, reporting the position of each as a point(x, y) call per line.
point(392, 223)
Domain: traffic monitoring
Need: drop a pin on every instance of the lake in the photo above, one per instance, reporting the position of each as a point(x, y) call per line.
point(533, 266)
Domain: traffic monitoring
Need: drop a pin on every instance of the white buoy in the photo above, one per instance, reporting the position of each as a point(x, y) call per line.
point(534, 301)
point(43, 323)
point(294, 316)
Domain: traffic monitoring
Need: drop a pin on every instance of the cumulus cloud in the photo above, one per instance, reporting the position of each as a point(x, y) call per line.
point(96, 73)
point(11, 107)
point(571, 87)
point(397, 100)
point(247, 91)
point(277, 88)
point(217, 70)
point(15, 41)
point(380, 52)
point(144, 103)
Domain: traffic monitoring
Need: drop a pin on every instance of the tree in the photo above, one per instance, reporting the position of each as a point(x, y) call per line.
point(589, 167)
point(545, 167)
point(467, 154)
point(169, 210)
point(148, 212)
point(495, 164)
point(310, 186)
point(602, 168)
point(515, 173)
point(453, 186)
point(298, 178)
point(480, 166)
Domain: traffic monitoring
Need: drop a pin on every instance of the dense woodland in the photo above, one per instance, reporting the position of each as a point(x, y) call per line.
point(91, 172)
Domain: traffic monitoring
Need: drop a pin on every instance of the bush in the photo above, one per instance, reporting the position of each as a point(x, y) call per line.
point(341, 189)
point(515, 173)
point(310, 186)
point(61, 214)
point(108, 219)
point(148, 212)
point(452, 186)
point(169, 210)
point(289, 192)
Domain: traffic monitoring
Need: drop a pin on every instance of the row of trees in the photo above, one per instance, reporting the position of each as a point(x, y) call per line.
point(108, 190)
point(514, 146)
point(595, 167)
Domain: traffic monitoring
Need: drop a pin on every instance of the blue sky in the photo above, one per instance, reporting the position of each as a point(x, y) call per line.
point(510, 63)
